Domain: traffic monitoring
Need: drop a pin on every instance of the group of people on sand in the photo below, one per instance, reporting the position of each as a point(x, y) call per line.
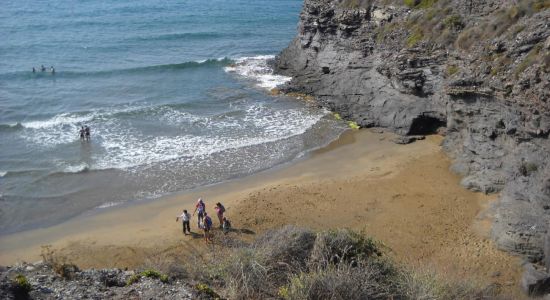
point(43, 69)
point(84, 133)
point(204, 222)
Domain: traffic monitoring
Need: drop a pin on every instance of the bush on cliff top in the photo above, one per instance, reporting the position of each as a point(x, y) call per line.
point(297, 263)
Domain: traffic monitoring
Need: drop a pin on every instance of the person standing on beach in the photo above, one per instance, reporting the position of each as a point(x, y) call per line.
point(185, 218)
point(220, 210)
point(206, 226)
point(201, 209)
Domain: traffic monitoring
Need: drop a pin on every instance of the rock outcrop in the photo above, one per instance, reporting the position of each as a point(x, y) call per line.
point(478, 68)
point(42, 281)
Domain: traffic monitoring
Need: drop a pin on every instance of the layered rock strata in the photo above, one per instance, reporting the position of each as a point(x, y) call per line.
point(477, 69)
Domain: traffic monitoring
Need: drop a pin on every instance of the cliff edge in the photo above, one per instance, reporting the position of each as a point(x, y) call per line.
point(476, 71)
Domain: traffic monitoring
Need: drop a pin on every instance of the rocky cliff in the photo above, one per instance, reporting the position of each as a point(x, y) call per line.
point(476, 71)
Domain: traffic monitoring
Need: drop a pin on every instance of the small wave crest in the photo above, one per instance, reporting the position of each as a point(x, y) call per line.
point(11, 127)
point(258, 69)
point(75, 169)
point(178, 36)
point(212, 62)
point(109, 204)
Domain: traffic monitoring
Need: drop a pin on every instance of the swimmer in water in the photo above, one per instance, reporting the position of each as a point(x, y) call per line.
point(52, 70)
point(42, 68)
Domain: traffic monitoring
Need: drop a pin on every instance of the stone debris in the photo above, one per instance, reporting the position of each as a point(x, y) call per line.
point(87, 284)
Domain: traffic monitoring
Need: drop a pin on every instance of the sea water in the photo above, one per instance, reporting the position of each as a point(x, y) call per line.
point(176, 94)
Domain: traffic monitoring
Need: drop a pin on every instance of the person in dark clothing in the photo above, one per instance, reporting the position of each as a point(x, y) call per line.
point(87, 130)
point(82, 133)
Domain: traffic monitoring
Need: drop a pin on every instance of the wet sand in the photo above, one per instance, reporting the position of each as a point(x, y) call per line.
point(403, 195)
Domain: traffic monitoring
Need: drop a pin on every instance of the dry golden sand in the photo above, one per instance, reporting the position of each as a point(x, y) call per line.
point(403, 195)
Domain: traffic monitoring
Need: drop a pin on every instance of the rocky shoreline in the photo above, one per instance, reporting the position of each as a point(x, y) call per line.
point(476, 71)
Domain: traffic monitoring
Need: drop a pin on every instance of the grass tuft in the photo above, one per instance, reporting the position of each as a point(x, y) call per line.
point(415, 38)
point(419, 3)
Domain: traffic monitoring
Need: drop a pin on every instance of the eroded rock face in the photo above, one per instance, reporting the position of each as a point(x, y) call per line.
point(480, 68)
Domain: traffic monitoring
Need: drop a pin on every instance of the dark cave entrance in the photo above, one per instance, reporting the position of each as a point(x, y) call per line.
point(423, 125)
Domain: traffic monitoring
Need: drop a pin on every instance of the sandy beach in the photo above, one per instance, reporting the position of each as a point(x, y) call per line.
point(402, 195)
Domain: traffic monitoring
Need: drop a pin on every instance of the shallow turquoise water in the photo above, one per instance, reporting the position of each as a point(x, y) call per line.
point(175, 93)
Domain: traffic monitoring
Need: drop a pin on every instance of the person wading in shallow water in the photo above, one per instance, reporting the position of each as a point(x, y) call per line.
point(201, 209)
point(185, 217)
point(82, 133)
point(87, 131)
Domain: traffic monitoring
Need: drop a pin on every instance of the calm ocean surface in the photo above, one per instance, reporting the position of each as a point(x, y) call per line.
point(176, 94)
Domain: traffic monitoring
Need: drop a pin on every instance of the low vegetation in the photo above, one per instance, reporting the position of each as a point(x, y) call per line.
point(21, 287)
point(58, 263)
point(149, 273)
point(531, 58)
point(419, 3)
point(500, 22)
point(297, 263)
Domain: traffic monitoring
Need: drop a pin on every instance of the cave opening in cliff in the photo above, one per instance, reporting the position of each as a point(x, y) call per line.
point(423, 125)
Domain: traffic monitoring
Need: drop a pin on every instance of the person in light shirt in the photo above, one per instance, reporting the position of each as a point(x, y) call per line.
point(185, 217)
point(201, 209)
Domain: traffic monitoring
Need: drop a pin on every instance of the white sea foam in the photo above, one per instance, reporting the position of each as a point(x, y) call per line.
point(258, 69)
point(63, 128)
point(119, 145)
point(78, 168)
point(109, 204)
point(3, 173)
point(125, 151)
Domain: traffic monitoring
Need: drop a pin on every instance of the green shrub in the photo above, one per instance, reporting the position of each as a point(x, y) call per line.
point(342, 245)
point(527, 168)
point(419, 3)
point(453, 22)
point(529, 60)
point(415, 38)
point(21, 285)
point(411, 3)
point(133, 279)
point(356, 3)
point(384, 30)
point(205, 290)
point(452, 69)
point(541, 5)
point(149, 273)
